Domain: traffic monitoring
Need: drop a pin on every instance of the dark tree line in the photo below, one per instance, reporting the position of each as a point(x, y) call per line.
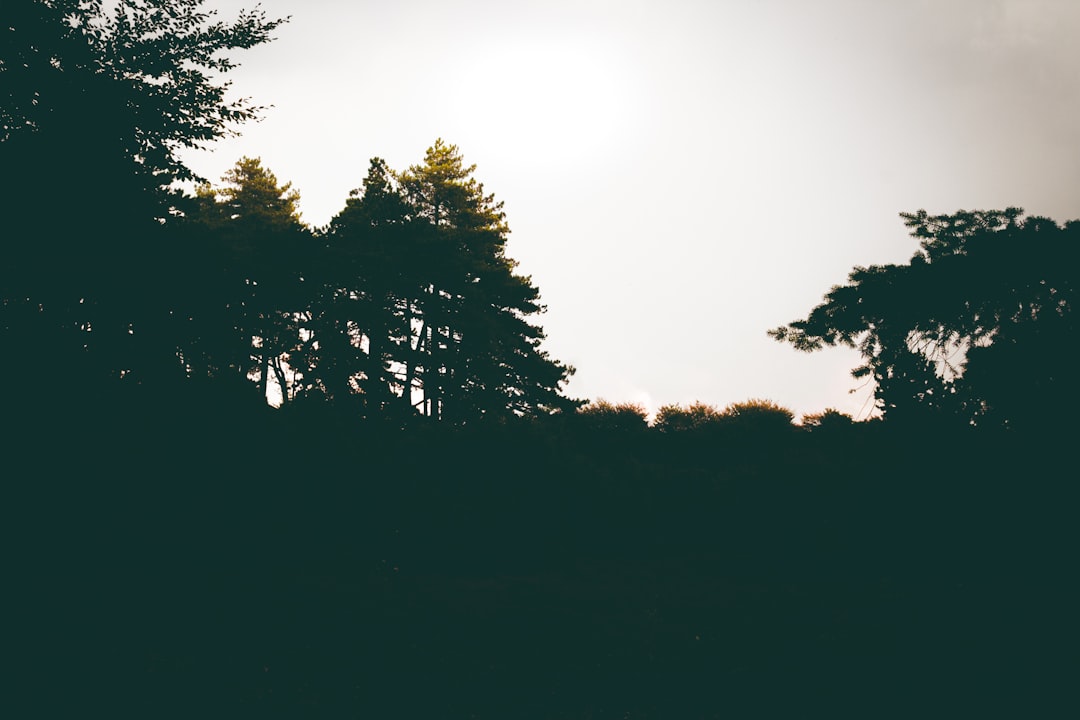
point(583, 566)
point(406, 304)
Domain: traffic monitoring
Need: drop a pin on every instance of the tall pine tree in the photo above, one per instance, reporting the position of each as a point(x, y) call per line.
point(254, 248)
point(455, 341)
point(366, 279)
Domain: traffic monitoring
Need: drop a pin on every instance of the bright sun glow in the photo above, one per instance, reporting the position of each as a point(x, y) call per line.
point(559, 101)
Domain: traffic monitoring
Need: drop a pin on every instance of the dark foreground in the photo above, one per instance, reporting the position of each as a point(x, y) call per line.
point(261, 567)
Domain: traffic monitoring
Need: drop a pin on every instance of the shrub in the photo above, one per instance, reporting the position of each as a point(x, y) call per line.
point(676, 418)
point(621, 417)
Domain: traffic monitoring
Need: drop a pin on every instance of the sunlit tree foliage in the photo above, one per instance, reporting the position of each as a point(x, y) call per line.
point(255, 249)
point(442, 319)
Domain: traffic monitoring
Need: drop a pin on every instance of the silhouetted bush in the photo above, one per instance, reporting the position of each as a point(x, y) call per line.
point(675, 418)
point(758, 414)
point(606, 416)
point(828, 420)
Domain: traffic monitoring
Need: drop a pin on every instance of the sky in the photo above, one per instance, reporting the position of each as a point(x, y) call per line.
point(680, 176)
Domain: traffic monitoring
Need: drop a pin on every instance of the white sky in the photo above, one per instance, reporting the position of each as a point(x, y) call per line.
point(681, 176)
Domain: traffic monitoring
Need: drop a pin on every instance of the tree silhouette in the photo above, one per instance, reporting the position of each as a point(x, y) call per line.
point(367, 277)
point(251, 227)
point(137, 71)
point(828, 420)
point(758, 414)
point(625, 418)
point(676, 418)
point(98, 98)
point(432, 299)
point(755, 415)
point(970, 330)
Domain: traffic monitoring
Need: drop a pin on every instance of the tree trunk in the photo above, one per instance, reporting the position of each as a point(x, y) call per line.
point(410, 366)
point(261, 376)
point(279, 373)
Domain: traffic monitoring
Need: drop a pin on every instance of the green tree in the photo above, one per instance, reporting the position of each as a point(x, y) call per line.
point(483, 355)
point(970, 330)
point(449, 316)
point(752, 415)
point(614, 417)
point(757, 416)
point(368, 278)
point(828, 420)
point(131, 76)
point(676, 418)
point(97, 100)
point(256, 248)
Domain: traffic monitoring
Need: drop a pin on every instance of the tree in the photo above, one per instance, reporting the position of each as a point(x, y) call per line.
point(757, 417)
point(971, 330)
point(481, 355)
point(133, 72)
point(751, 415)
point(367, 280)
point(255, 247)
point(759, 410)
point(444, 317)
point(616, 418)
point(828, 420)
point(676, 418)
point(97, 100)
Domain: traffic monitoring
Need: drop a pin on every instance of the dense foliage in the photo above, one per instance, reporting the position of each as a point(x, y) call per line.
point(406, 305)
point(972, 330)
point(97, 99)
point(435, 300)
